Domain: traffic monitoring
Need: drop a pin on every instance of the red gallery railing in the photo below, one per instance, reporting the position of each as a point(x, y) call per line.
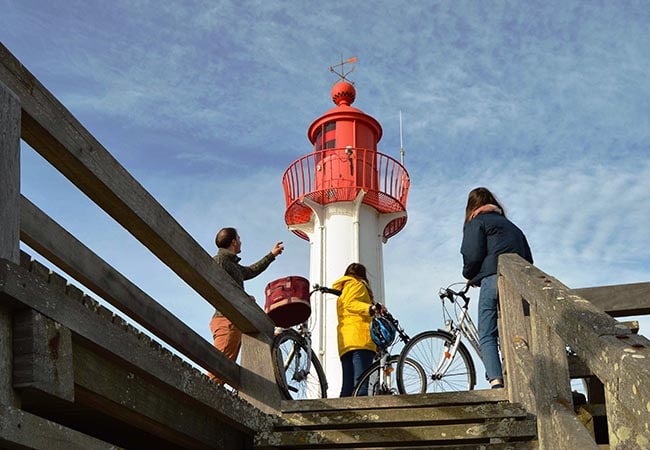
point(338, 175)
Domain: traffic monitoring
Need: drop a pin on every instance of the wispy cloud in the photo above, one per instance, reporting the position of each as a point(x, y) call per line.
point(207, 102)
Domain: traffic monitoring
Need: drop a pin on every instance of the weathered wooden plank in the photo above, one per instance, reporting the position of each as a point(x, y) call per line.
point(416, 436)
point(578, 322)
point(19, 429)
point(9, 174)
point(619, 300)
point(130, 397)
point(101, 328)
point(622, 421)
point(7, 394)
point(257, 375)
point(435, 415)
point(577, 367)
point(550, 381)
point(567, 430)
point(515, 344)
point(49, 128)
point(397, 401)
point(42, 355)
point(610, 349)
point(551, 369)
point(48, 238)
point(9, 224)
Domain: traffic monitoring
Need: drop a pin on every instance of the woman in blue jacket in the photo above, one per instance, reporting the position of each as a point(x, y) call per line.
point(487, 233)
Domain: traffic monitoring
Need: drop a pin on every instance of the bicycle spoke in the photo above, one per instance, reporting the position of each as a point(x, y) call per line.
point(444, 369)
point(300, 376)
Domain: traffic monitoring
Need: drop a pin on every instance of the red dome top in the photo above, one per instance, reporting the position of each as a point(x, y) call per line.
point(343, 93)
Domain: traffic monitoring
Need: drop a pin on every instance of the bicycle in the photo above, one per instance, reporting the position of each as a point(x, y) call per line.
point(379, 376)
point(446, 361)
point(298, 372)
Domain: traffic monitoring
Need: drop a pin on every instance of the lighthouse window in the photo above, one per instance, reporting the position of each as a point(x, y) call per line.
point(326, 137)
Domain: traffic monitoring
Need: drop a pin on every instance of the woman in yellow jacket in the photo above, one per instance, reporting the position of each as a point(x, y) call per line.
point(355, 308)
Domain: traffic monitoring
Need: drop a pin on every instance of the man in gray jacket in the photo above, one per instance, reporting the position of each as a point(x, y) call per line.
point(226, 336)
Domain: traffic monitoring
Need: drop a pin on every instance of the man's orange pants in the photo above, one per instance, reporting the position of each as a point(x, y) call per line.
point(226, 337)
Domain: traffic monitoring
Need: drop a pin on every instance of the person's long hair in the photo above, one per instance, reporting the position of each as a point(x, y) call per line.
point(478, 197)
point(358, 271)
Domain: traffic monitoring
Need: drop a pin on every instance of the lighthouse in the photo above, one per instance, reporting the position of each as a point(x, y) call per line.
point(346, 199)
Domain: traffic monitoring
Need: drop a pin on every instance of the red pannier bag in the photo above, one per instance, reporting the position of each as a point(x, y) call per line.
point(287, 301)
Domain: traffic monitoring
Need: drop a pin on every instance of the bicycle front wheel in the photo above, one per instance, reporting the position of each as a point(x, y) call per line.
point(444, 372)
point(298, 371)
point(384, 382)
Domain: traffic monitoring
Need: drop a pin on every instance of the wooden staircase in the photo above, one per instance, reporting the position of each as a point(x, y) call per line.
point(481, 419)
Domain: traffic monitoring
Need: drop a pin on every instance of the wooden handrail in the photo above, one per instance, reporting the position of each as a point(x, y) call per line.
point(536, 363)
point(51, 130)
point(49, 239)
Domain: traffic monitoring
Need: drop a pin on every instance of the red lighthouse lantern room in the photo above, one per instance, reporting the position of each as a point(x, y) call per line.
point(345, 161)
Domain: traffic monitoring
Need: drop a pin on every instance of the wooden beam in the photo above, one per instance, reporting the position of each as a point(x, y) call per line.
point(400, 437)
point(619, 300)
point(566, 431)
point(568, 314)
point(258, 362)
point(9, 223)
point(474, 397)
point(411, 415)
point(48, 238)
point(616, 356)
point(22, 430)
point(514, 335)
point(9, 174)
point(42, 355)
point(49, 128)
point(133, 398)
point(101, 328)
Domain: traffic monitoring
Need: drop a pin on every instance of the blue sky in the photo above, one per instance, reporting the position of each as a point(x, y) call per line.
point(207, 103)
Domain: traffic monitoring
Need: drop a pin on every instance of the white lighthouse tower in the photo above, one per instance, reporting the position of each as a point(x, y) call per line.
point(347, 200)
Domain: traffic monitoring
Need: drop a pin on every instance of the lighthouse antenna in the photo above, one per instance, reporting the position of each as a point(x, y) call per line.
point(401, 145)
point(339, 68)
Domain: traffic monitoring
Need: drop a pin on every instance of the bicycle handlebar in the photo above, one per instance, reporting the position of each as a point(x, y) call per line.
point(325, 290)
point(451, 294)
point(405, 337)
point(384, 313)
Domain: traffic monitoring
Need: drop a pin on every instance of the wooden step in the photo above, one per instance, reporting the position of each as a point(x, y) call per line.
point(397, 401)
point(396, 437)
point(462, 420)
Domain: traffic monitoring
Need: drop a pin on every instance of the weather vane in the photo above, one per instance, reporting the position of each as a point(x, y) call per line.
point(340, 70)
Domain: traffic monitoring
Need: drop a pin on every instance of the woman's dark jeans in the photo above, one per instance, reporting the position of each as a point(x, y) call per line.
point(487, 327)
point(354, 363)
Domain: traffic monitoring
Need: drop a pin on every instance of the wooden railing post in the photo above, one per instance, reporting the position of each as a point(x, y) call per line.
point(258, 384)
point(514, 333)
point(9, 175)
point(9, 223)
point(539, 364)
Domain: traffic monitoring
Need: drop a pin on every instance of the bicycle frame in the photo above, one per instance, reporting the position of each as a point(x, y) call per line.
point(384, 358)
point(305, 333)
point(294, 357)
point(462, 326)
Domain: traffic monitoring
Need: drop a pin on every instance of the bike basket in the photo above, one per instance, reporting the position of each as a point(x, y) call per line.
point(287, 301)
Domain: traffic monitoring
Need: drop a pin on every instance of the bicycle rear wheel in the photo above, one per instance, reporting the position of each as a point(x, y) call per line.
point(415, 378)
point(299, 375)
point(431, 350)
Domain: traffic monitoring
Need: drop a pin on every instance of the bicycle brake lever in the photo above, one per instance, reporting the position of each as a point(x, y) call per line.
point(450, 295)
